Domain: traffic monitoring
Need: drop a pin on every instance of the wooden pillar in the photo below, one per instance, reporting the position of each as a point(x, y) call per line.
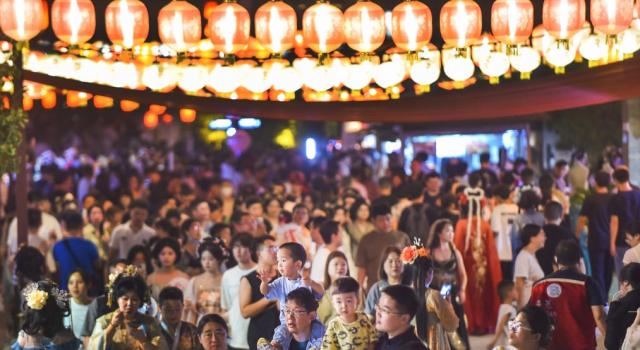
point(21, 173)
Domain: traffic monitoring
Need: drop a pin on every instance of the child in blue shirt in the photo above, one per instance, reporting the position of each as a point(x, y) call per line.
point(291, 259)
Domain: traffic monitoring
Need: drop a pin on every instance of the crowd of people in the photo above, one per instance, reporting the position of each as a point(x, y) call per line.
point(279, 256)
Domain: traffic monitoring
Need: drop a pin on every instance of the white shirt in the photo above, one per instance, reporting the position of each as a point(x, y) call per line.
point(230, 301)
point(631, 255)
point(319, 264)
point(503, 338)
point(50, 229)
point(501, 222)
point(527, 266)
point(123, 238)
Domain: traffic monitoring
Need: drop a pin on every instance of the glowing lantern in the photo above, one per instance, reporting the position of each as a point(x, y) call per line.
point(193, 78)
point(127, 22)
point(157, 109)
point(187, 115)
point(276, 26)
point(45, 15)
point(256, 80)
point(225, 79)
point(512, 20)
point(287, 79)
point(458, 67)
point(525, 61)
point(167, 118)
point(229, 26)
point(611, 17)
point(208, 8)
point(322, 27)
point(411, 26)
point(128, 106)
point(49, 100)
point(73, 21)
point(150, 120)
point(358, 75)
point(364, 26)
point(460, 22)
point(389, 73)
point(179, 25)
point(21, 20)
point(102, 102)
point(27, 103)
point(563, 18)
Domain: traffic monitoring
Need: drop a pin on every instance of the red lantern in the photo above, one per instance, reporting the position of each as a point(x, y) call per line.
point(179, 25)
point(460, 22)
point(45, 15)
point(150, 120)
point(129, 106)
point(208, 8)
point(276, 26)
point(229, 27)
point(411, 26)
point(364, 26)
point(21, 20)
point(157, 109)
point(167, 118)
point(512, 20)
point(187, 115)
point(322, 27)
point(49, 100)
point(27, 103)
point(563, 18)
point(611, 16)
point(127, 22)
point(73, 21)
point(102, 101)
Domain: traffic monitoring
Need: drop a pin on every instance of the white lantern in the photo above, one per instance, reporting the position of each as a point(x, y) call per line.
point(160, 76)
point(256, 80)
point(287, 79)
point(525, 61)
point(319, 78)
point(389, 73)
point(123, 75)
point(594, 47)
point(458, 67)
point(225, 79)
point(425, 72)
point(560, 54)
point(629, 41)
point(495, 64)
point(192, 78)
point(358, 75)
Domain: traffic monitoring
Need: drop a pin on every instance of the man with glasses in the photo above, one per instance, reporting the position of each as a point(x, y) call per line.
point(303, 330)
point(395, 310)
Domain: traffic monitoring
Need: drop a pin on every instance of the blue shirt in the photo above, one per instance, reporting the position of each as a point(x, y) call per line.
point(85, 254)
point(280, 287)
point(314, 341)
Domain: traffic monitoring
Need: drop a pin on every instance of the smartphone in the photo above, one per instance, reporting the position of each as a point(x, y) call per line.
point(445, 290)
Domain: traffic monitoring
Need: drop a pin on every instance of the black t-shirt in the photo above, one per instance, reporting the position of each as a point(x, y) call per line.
point(596, 209)
point(405, 341)
point(298, 345)
point(555, 234)
point(626, 206)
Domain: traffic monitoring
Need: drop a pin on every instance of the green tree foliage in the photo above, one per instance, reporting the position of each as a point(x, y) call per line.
point(590, 128)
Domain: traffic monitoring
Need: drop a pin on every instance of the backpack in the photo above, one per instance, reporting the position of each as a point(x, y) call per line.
point(416, 223)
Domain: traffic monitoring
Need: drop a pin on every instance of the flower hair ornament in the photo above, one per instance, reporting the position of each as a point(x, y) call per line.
point(37, 298)
point(474, 199)
point(411, 253)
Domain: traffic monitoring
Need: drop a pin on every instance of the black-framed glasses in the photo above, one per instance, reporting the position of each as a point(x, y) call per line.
point(294, 312)
point(384, 310)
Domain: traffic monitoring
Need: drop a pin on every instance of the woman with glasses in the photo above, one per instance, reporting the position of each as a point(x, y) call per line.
point(531, 329)
point(212, 332)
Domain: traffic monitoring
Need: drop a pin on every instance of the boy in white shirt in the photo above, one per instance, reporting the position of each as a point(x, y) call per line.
point(508, 295)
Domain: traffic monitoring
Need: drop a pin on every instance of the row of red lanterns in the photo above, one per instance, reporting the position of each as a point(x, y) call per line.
point(325, 27)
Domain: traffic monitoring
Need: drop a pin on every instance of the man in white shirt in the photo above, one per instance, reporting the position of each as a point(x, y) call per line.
point(241, 247)
point(633, 240)
point(501, 224)
point(331, 235)
point(131, 233)
point(296, 231)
